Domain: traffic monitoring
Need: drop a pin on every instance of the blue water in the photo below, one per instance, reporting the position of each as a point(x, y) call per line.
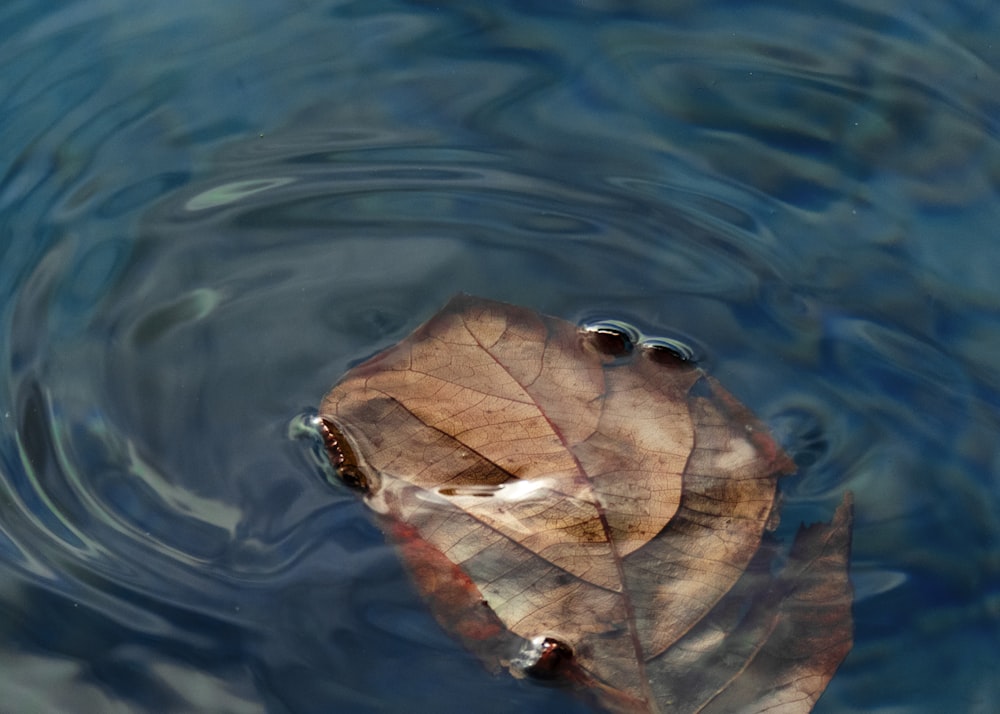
point(209, 210)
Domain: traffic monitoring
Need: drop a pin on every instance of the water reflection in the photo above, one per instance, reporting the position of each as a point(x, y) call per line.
point(208, 216)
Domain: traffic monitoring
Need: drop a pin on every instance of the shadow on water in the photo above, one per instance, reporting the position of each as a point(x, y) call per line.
point(199, 239)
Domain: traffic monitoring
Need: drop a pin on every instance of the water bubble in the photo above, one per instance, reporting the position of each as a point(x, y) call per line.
point(667, 351)
point(612, 338)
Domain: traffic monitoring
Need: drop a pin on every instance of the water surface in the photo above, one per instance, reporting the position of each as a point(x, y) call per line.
point(208, 211)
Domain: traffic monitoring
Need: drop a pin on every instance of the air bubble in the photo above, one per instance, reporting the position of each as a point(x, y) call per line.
point(666, 351)
point(612, 338)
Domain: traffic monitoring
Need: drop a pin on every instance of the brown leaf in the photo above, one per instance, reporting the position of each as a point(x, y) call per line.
point(602, 499)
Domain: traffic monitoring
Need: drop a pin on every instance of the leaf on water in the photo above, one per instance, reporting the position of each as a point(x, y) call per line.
point(588, 506)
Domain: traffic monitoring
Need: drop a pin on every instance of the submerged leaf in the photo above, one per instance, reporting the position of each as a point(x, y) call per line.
point(587, 505)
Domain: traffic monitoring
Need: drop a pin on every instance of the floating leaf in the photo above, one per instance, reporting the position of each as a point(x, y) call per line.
point(586, 505)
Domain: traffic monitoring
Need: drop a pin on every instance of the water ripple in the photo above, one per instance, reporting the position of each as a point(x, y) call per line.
point(206, 216)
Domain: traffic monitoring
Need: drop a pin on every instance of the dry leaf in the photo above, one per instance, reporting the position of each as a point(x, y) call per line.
point(588, 506)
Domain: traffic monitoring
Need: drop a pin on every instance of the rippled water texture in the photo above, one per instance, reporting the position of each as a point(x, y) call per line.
point(209, 210)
